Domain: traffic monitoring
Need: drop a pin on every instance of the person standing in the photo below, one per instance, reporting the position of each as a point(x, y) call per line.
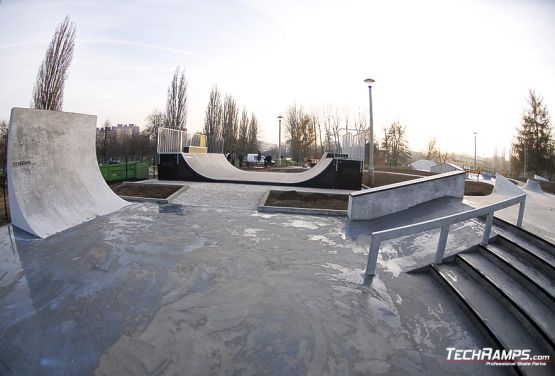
point(241, 160)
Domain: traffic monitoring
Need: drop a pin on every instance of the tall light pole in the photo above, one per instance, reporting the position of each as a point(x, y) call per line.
point(279, 138)
point(475, 133)
point(475, 166)
point(370, 82)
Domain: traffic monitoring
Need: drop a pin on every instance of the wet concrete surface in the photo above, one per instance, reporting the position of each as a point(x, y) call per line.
point(210, 286)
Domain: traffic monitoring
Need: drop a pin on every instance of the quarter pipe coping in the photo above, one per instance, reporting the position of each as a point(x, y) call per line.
point(54, 182)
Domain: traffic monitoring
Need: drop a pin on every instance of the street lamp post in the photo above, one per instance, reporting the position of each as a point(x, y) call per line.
point(475, 133)
point(369, 82)
point(475, 166)
point(279, 138)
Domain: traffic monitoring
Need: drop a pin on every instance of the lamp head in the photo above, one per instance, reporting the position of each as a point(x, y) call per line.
point(369, 81)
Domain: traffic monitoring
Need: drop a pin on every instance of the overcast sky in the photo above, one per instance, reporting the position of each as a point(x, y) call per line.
point(443, 68)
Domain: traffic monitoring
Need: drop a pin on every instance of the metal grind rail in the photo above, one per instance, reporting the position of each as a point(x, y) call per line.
point(444, 223)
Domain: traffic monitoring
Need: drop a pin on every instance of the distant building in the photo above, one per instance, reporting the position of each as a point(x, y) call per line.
point(120, 130)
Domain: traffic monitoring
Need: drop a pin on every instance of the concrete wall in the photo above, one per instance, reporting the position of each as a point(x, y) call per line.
point(377, 202)
point(54, 181)
point(382, 178)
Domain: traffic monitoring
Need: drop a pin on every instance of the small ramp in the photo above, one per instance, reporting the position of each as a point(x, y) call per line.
point(54, 182)
point(533, 185)
point(327, 173)
point(504, 186)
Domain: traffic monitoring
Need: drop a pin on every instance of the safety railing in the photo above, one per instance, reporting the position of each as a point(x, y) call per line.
point(444, 223)
point(171, 140)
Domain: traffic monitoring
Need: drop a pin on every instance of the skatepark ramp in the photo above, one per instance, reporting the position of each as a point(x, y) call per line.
point(54, 181)
point(533, 185)
point(388, 199)
point(211, 167)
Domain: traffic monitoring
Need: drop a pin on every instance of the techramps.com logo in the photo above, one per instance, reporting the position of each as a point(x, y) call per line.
point(496, 357)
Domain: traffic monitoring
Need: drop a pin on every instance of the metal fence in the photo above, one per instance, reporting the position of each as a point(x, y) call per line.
point(171, 141)
point(353, 144)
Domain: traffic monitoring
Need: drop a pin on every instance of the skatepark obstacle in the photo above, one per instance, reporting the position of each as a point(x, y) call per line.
point(54, 181)
point(533, 185)
point(213, 167)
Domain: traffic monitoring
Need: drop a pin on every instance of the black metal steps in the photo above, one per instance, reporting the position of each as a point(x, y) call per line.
point(508, 290)
point(540, 283)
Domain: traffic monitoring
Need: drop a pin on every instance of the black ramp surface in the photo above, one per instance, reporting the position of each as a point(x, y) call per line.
point(327, 173)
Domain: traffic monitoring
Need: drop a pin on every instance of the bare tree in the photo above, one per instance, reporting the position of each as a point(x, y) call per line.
point(253, 142)
point(154, 121)
point(318, 133)
point(433, 151)
point(230, 115)
point(48, 93)
point(361, 122)
point(243, 133)
point(213, 115)
point(176, 106)
point(396, 145)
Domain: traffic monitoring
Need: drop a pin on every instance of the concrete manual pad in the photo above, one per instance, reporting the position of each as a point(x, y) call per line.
point(222, 289)
point(54, 181)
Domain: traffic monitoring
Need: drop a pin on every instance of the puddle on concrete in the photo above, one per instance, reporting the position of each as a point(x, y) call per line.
point(196, 244)
point(251, 232)
point(301, 223)
point(322, 239)
point(172, 209)
point(347, 275)
point(262, 215)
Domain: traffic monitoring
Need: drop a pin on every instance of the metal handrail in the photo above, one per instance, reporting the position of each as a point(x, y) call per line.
point(444, 223)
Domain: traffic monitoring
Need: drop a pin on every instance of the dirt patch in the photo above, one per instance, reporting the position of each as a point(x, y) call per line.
point(146, 190)
point(475, 188)
point(548, 187)
point(309, 200)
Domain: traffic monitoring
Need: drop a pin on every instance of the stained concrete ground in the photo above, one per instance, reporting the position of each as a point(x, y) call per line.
point(207, 285)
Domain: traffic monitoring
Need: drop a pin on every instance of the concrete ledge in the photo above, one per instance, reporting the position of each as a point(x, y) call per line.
point(377, 202)
point(156, 200)
point(292, 210)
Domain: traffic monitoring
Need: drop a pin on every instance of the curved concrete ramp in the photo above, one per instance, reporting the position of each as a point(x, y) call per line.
point(54, 182)
point(327, 173)
point(533, 185)
point(504, 186)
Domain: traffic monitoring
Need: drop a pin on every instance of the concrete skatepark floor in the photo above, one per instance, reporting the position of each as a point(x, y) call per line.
point(207, 285)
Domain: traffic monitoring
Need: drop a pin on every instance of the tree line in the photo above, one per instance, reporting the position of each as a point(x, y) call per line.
point(309, 134)
point(238, 130)
point(312, 134)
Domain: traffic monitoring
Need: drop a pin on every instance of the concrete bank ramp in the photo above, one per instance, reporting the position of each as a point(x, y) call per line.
point(54, 182)
point(533, 185)
point(388, 199)
point(504, 186)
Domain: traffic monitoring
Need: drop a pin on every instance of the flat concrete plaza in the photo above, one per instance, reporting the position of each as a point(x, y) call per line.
point(208, 285)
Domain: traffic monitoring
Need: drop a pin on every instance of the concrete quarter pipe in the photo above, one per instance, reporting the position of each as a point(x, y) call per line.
point(328, 172)
point(54, 182)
